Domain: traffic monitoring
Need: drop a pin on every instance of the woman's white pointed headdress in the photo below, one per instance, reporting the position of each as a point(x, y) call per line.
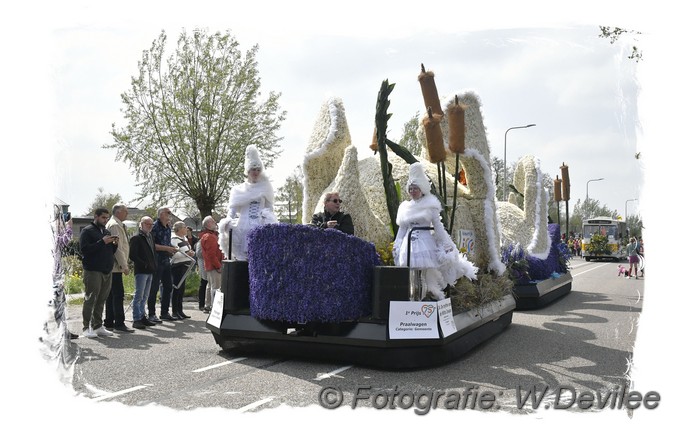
point(416, 176)
point(252, 159)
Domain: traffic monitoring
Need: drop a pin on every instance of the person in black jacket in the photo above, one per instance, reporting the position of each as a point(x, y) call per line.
point(331, 217)
point(97, 246)
point(143, 255)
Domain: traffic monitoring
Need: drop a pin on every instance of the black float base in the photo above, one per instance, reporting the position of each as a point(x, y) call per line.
point(365, 342)
point(543, 293)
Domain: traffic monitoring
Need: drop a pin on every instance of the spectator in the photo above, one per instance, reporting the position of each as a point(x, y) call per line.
point(115, 311)
point(212, 257)
point(143, 255)
point(332, 217)
point(191, 238)
point(97, 247)
point(250, 205)
point(633, 260)
point(162, 277)
point(202, 274)
point(181, 261)
point(641, 255)
point(435, 255)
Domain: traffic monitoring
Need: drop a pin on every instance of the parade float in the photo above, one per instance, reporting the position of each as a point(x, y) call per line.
point(536, 259)
point(321, 294)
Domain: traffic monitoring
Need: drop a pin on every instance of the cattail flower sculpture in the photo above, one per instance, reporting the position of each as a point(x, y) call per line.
point(429, 89)
point(565, 192)
point(557, 189)
point(456, 117)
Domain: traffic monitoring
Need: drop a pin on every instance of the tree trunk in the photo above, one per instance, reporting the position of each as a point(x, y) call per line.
point(205, 205)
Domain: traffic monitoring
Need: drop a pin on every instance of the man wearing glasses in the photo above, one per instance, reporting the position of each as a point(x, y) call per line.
point(331, 217)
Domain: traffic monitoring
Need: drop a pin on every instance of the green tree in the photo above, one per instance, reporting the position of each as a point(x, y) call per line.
point(190, 115)
point(586, 210)
point(613, 34)
point(291, 195)
point(103, 200)
point(635, 226)
point(409, 135)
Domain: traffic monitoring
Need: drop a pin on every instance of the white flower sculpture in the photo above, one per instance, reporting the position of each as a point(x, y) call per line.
point(526, 221)
point(325, 152)
point(325, 170)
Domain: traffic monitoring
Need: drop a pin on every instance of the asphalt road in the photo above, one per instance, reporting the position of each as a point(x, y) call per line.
point(582, 342)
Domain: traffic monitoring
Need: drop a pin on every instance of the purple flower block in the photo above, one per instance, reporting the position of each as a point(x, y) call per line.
point(300, 274)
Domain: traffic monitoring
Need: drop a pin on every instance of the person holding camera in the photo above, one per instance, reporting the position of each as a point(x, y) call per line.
point(97, 246)
point(332, 217)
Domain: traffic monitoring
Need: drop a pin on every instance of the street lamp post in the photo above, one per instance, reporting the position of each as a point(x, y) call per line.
point(587, 183)
point(629, 200)
point(505, 167)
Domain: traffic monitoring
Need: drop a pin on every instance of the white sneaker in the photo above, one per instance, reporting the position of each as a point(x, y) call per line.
point(89, 333)
point(102, 332)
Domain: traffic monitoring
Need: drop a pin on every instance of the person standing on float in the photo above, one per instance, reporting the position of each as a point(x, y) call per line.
point(434, 254)
point(251, 204)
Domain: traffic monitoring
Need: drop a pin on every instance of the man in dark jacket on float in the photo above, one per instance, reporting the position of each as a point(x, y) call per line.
point(143, 255)
point(97, 246)
point(331, 217)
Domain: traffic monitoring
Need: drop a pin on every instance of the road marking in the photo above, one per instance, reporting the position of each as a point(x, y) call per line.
point(332, 374)
point(207, 368)
point(255, 405)
point(120, 393)
point(594, 268)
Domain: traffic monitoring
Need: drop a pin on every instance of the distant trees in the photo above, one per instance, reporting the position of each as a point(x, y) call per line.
point(290, 195)
point(409, 135)
point(103, 200)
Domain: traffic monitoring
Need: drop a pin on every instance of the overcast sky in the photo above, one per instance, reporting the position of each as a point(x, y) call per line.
point(579, 90)
point(65, 65)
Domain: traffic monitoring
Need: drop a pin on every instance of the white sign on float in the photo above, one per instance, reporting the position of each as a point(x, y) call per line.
point(445, 313)
point(466, 242)
point(215, 317)
point(413, 320)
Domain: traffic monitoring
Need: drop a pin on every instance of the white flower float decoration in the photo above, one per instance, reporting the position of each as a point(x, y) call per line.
point(330, 165)
point(526, 221)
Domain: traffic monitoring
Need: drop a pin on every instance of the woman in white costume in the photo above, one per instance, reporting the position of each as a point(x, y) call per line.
point(250, 205)
point(432, 253)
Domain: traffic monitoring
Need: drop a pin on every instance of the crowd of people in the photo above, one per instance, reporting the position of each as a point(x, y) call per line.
point(162, 254)
point(574, 243)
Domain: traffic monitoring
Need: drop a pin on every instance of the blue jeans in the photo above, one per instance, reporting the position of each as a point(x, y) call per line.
point(163, 276)
point(142, 288)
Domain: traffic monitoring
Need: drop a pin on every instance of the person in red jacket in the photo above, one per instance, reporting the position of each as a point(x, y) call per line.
point(212, 256)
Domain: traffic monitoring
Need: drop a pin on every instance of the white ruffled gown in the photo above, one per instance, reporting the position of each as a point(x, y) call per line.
point(247, 217)
point(250, 205)
point(433, 252)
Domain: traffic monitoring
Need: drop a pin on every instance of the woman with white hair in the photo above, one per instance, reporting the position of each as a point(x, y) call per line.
point(434, 258)
point(250, 204)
